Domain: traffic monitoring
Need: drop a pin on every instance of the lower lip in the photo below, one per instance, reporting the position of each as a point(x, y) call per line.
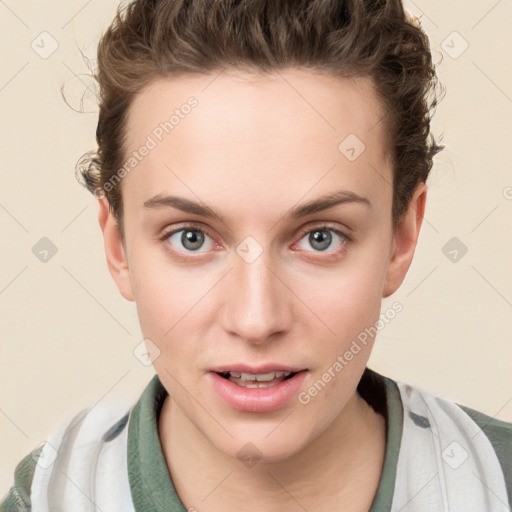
point(258, 399)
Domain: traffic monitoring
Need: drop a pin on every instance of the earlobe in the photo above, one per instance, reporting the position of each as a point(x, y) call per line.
point(404, 241)
point(115, 253)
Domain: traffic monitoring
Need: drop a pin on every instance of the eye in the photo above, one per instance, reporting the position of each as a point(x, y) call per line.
point(321, 238)
point(190, 238)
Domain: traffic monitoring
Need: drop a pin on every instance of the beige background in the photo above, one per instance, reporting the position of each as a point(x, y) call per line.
point(68, 335)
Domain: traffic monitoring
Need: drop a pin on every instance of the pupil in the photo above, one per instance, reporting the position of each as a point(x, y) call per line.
point(195, 238)
point(319, 241)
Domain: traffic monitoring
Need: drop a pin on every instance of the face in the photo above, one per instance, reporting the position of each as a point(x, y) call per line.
point(235, 272)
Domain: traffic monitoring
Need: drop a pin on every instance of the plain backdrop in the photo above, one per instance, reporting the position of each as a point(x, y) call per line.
point(67, 334)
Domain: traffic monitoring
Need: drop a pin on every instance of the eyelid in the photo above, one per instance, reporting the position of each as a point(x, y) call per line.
point(186, 225)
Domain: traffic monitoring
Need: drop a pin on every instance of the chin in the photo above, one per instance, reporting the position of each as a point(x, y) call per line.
point(262, 447)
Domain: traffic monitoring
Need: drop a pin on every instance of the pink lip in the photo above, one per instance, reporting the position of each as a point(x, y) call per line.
point(257, 399)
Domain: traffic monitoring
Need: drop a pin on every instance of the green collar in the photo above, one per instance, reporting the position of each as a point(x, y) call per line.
point(150, 482)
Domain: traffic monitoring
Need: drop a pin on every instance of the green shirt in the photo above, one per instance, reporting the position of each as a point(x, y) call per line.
point(151, 484)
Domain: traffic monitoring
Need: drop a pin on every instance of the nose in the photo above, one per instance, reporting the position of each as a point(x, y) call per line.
point(258, 303)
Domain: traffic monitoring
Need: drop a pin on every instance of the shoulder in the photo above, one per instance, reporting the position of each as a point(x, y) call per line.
point(18, 497)
point(484, 433)
point(80, 435)
point(484, 449)
point(499, 434)
point(498, 431)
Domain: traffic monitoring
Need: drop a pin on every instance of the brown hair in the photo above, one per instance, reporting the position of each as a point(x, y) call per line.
point(376, 38)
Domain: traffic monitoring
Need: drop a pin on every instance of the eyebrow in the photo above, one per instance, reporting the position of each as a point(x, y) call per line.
point(317, 205)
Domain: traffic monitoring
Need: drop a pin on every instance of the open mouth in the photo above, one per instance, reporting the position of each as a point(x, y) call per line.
point(258, 392)
point(262, 380)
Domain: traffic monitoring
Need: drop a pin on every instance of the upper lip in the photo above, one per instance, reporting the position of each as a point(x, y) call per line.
point(263, 368)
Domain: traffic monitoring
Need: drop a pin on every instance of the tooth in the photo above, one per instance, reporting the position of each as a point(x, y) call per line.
point(265, 377)
point(265, 385)
point(253, 384)
point(261, 377)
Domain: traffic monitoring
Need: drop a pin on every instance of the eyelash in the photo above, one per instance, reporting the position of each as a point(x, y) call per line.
point(324, 227)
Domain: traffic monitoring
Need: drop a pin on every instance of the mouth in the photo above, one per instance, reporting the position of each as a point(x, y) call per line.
point(264, 388)
point(257, 380)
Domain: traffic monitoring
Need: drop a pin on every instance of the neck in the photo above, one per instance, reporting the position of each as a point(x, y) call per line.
point(342, 465)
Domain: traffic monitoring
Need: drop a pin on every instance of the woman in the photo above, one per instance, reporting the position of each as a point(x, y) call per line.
point(261, 178)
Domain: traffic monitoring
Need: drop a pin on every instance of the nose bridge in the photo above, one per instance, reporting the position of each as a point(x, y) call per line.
point(257, 304)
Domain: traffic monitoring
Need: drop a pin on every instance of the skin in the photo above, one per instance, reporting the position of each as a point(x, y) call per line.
point(252, 149)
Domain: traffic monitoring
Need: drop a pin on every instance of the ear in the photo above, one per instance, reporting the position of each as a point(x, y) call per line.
point(114, 250)
point(405, 238)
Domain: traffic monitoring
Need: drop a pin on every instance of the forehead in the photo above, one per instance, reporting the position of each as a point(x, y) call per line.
point(288, 129)
point(322, 106)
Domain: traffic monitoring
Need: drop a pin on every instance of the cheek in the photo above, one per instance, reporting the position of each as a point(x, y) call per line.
point(167, 296)
point(349, 303)
point(346, 298)
point(346, 304)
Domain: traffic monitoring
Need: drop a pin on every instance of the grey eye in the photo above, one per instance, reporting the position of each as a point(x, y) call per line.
point(321, 238)
point(190, 239)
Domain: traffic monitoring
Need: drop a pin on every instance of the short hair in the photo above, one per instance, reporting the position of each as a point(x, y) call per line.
point(341, 38)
